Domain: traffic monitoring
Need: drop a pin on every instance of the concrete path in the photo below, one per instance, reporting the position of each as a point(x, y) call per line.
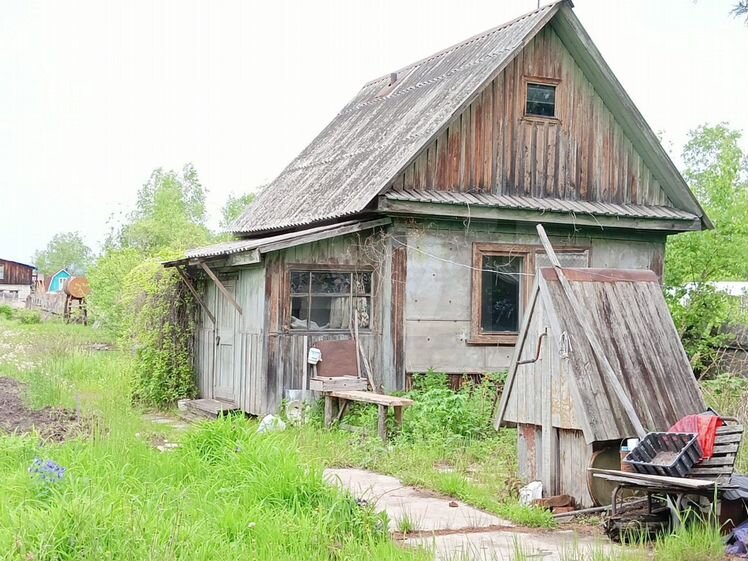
point(425, 512)
point(165, 420)
point(456, 531)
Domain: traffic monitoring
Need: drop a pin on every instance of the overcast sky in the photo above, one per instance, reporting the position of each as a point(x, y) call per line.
point(96, 94)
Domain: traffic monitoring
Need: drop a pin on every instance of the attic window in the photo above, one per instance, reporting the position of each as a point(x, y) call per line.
point(541, 100)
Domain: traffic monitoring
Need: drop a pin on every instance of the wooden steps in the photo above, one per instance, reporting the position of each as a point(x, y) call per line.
point(208, 409)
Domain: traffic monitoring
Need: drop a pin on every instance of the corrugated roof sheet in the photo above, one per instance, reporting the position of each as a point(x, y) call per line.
point(374, 137)
point(540, 204)
point(280, 240)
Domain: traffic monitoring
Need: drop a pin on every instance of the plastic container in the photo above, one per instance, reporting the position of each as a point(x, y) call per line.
point(672, 454)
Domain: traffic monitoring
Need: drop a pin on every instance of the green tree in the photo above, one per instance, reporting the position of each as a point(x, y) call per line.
point(64, 251)
point(235, 207)
point(716, 170)
point(170, 213)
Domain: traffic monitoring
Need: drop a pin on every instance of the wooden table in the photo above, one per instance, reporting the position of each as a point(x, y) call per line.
point(336, 403)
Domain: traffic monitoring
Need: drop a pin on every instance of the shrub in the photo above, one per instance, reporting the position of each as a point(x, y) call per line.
point(28, 316)
point(439, 411)
point(6, 311)
point(160, 326)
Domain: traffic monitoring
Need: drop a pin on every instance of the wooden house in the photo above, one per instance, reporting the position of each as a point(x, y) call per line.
point(412, 215)
point(16, 279)
point(56, 283)
point(568, 415)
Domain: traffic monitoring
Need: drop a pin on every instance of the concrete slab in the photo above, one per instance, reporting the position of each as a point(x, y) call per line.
point(424, 511)
point(507, 545)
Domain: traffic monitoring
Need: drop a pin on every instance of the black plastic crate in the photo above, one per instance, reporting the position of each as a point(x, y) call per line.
point(665, 453)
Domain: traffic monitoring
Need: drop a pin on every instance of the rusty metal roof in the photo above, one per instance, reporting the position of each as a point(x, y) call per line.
point(540, 204)
point(375, 136)
point(628, 312)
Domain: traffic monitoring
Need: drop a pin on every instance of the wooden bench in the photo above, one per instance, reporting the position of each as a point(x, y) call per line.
point(336, 403)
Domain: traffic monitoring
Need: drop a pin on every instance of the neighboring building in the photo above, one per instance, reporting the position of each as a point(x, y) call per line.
point(412, 215)
point(56, 282)
point(16, 279)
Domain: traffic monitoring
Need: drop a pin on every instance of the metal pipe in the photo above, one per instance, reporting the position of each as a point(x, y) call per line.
point(537, 350)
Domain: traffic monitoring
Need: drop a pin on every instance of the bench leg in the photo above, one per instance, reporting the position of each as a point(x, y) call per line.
point(383, 422)
point(399, 417)
point(331, 410)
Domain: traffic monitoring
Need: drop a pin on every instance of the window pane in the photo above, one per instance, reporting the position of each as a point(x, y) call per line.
point(299, 312)
point(299, 282)
point(362, 283)
point(541, 100)
point(331, 283)
point(362, 305)
point(500, 293)
point(330, 312)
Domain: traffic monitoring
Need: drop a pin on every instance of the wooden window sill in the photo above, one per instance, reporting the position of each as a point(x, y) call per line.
point(507, 340)
point(540, 119)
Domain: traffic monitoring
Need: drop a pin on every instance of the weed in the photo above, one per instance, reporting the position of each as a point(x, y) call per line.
point(6, 311)
point(694, 540)
point(28, 317)
point(406, 524)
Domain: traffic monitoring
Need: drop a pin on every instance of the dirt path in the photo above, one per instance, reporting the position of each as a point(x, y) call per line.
point(16, 417)
point(454, 530)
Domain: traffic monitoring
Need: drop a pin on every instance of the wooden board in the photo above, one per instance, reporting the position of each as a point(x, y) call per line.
point(337, 383)
point(371, 397)
point(661, 480)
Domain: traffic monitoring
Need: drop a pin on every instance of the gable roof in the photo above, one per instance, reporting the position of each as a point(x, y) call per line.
point(376, 136)
point(628, 312)
point(18, 263)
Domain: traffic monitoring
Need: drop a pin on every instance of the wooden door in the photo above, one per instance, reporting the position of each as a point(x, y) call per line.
point(224, 368)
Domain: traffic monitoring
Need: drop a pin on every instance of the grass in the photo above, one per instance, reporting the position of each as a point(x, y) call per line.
point(226, 492)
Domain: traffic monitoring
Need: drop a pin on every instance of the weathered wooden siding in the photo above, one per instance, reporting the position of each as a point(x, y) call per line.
point(574, 457)
point(15, 273)
point(546, 377)
point(438, 287)
point(285, 366)
point(247, 349)
point(492, 147)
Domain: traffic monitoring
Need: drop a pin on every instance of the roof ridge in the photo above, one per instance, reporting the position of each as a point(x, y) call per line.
point(465, 42)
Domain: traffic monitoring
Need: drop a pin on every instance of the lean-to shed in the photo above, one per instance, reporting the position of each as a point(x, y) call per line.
point(557, 393)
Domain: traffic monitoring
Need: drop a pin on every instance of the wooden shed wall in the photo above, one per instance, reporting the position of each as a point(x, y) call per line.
point(285, 364)
point(438, 288)
point(16, 273)
point(574, 457)
point(248, 340)
point(492, 147)
point(549, 376)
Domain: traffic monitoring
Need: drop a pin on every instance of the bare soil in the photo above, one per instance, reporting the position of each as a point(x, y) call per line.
point(664, 458)
point(16, 417)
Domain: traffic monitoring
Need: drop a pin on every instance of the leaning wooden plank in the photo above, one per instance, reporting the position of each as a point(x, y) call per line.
point(682, 481)
point(591, 336)
point(219, 284)
point(371, 397)
point(194, 292)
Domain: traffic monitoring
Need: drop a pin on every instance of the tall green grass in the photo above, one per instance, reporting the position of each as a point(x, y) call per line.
point(227, 492)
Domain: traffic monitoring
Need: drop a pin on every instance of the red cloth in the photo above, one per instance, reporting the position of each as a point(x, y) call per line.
point(705, 427)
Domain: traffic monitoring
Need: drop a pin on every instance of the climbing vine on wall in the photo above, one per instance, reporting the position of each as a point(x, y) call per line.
point(160, 328)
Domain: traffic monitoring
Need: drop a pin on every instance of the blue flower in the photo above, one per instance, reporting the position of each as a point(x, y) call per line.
point(47, 471)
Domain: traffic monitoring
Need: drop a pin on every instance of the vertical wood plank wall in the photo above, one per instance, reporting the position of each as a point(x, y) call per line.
point(285, 365)
point(492, 147)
